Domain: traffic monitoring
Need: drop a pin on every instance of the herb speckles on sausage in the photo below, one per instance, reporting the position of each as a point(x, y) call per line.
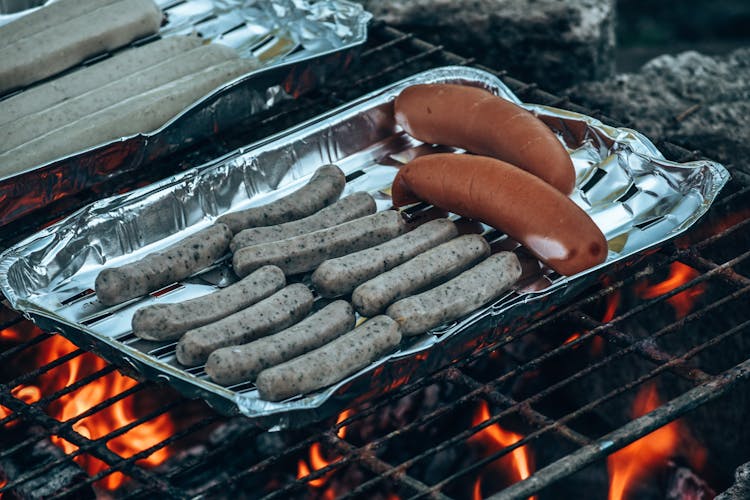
point(158, 269)
point(349, 208)
point(282, 309)
point(434, 265)
point(231, 365)
point(324, 188)
point(170, 321)
point(330, 363)
point(304, 253)
point(341, 275)
point(466, 292)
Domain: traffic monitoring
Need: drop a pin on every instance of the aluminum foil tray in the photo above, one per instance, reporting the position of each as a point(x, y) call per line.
point(634, 195)
point(296, 44)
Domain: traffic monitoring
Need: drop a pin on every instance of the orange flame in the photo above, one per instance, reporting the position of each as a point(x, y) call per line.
point(476, 491)
point(572, 338)
point(101, 423)
point(318, 461)
point(11, 334)
point(636, 460)
point(679, 274)
point(519, 463)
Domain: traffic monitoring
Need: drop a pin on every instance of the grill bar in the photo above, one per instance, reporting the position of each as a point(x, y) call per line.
point(629, 432)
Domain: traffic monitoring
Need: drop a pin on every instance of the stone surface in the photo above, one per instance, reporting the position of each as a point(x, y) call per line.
point(694, 100)
point(554, 43)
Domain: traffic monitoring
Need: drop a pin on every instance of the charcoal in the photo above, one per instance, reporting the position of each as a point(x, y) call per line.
point(740, 490)
point(684, 484)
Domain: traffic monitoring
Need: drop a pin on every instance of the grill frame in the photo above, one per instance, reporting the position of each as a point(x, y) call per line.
point(706, 387)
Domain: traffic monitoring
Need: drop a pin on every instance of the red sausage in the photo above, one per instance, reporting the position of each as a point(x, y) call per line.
point(526, 208)
point(480, 122)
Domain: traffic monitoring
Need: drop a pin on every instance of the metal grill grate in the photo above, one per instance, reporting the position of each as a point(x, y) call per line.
point(386, 460)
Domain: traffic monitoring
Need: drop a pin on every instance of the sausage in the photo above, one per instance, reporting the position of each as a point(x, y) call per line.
point(282, 309)
point(463, 294)
point(351, 207)
point(45, 17)
point(137, 114)
point(122, 64)
point(158, 269)
point(330, 363)
point(341, 275)
point(66, 44)
point(231, 365)
point(433, 266)
point(483, 123)
point(304, 253)
point(31, 126)
point(169, 321)
point(529, 210)
point(324, 188)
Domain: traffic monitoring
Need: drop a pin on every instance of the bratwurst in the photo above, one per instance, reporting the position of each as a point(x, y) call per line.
point(341, 275)
point(282, 309)
point(231, 365)
point(169, 321)
point(159, 269)
point(351, 207)
point(426, 269)
point(330, 363)
point(304, 253)
point(324, 188)
point(466, 292)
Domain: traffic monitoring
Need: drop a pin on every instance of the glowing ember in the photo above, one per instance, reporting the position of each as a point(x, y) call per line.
point(517, 465)
point(572, 338)
point(636, 461)
point(101, 423)
point(679, 274)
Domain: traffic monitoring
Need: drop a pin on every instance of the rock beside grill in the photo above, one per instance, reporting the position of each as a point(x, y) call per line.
point(695, 100)
point(550, 42)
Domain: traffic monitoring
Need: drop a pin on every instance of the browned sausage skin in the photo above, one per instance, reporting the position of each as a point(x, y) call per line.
point(483, 123)
point(528, 209)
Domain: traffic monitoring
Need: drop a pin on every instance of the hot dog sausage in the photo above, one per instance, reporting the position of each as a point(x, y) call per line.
point(332, 362)
point(324, 188)
point(466, 292)
point(158, 269)
point(529, 210)
point(170, 321)
point(354, 206)
point(434, 265)
point(282, 309)
point(304, 253)
point(231, 365)
point(340, 276)
point(483, 123)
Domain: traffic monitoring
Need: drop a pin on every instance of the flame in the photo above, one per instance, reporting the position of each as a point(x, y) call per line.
point(11, 334)
point(572, 338)
point(679, 274)
point(318, 461)
point(101, 423)
point(636, 460)
point(518, 465)
point(476, 491)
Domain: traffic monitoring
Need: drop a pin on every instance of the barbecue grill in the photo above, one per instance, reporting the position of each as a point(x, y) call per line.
point(558, 392)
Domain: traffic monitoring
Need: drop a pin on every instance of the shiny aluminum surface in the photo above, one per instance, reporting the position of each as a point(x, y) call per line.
point(295, 43)
point(634, 195)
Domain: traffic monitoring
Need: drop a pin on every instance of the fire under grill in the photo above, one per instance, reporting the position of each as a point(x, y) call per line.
point(659, 350)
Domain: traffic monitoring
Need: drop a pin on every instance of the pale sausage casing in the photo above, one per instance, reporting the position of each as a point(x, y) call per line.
point(480, 122)
point(529, 210)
